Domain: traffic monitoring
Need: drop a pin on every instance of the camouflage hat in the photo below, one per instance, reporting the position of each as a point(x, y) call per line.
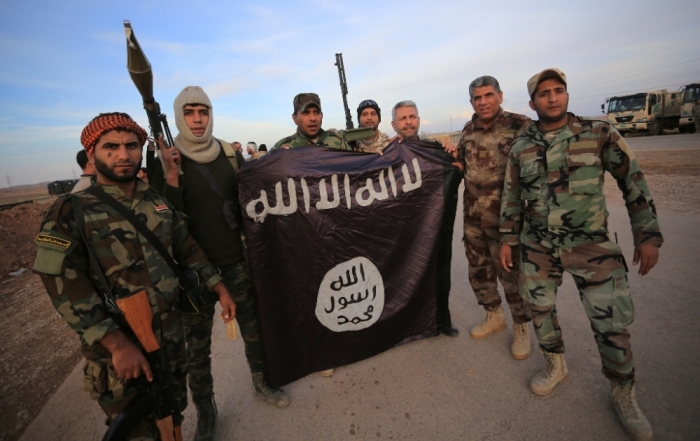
point(546, 74)
point(304, 100)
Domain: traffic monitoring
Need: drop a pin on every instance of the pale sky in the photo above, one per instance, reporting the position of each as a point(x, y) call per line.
point(65, 62)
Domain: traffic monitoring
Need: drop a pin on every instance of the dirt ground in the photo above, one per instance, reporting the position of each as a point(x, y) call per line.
point(39, 350)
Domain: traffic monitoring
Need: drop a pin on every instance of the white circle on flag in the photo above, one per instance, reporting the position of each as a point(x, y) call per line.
point(351, 296)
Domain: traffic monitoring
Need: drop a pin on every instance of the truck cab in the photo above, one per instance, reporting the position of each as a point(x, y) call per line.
point(690, 93)
point(649, 112)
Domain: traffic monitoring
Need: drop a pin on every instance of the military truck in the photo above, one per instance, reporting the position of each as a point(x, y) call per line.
point(649, 112)
point(690, 93)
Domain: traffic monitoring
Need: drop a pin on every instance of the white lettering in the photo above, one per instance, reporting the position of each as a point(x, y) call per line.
point(324, 204)
point(280, 209)
point(307, 198)
point(372, 193)
point(253, 213)
point(408, 185)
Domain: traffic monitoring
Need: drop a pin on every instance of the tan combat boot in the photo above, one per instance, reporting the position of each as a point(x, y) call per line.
point(631, 416)
point(327, 373)
point(495, 321)
point(555, 371)
point(521, 341)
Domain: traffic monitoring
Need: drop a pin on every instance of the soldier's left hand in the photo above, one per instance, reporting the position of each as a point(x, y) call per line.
point(227, 304)
point(648, 255)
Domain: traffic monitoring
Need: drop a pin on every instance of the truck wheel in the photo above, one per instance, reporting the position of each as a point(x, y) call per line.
point(655, 129)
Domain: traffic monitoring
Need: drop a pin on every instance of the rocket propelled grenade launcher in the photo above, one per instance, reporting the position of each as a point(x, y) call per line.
point(141, 74)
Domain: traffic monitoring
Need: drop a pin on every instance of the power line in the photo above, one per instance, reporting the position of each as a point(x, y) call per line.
point(652, 65)
point(637, 74)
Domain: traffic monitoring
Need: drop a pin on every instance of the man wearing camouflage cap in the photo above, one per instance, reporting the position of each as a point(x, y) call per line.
point(483, 152)
point(553, 198)
point(116, 370)
point(370, 115)
point(308, 117)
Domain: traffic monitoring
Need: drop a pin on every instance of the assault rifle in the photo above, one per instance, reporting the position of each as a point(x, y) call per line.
point(351, 134)
point(141, 74)
point(137, 311)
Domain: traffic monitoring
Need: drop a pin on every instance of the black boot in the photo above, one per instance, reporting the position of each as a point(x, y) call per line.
point(276, 397)
point(206, 419)
point(449, 331)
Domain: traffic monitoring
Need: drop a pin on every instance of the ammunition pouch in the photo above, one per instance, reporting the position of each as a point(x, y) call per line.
point(99, 377)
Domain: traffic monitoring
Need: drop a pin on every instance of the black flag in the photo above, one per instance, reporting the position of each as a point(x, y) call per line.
point(344, 250)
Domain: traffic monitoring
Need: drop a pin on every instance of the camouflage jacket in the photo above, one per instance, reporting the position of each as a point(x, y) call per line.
point(483, 151)
point(127, 260)
point(558, 187)
point(374, 145)
point(331, 138)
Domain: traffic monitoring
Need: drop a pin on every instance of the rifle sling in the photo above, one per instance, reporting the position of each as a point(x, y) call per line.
point(107, 296)
point(143, 229)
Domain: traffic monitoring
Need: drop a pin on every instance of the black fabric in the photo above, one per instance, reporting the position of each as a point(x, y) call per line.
point(230, 209)
point(195, 198)
point(291, 252)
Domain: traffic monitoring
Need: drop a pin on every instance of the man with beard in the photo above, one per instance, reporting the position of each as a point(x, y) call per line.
point(308, 117)
point(554, 180)
point(201, 181)
point(483, 152)
point(406, 123)
point(116, 370)
point(370, 115)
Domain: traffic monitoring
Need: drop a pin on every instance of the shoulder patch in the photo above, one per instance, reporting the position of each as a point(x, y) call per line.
point(52, 240)
point(162, 208)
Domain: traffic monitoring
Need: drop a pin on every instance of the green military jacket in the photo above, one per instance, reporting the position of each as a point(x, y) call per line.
point(483, 152)
point(332, 139)
point(128, 261)
point(557, 187)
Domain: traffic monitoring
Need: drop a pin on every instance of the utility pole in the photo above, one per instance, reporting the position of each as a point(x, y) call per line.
point(74, 174)
point(450, 123)
point(9, 182)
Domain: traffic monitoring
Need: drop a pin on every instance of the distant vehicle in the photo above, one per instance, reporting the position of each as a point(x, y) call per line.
point(690, 93)
point(650, 112)
point(61, 187)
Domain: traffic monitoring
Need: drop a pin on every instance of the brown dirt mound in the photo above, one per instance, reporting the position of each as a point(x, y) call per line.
point(38, 349)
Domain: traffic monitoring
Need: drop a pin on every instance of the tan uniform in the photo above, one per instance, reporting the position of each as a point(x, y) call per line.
point(483, 151)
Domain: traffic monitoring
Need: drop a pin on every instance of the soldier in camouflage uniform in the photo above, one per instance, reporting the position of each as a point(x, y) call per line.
point(483, 152)
point(308, 117)
point(370, 115)
point(553, 197)
point(196, 151)
point(116, 370)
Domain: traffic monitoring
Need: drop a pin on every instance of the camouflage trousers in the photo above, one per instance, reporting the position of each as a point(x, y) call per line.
point(482, 245)
point(198, 329)
point(114, 396)
point(600, 274)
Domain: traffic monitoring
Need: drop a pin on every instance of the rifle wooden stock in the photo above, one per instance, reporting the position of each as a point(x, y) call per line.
point(137, 312)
